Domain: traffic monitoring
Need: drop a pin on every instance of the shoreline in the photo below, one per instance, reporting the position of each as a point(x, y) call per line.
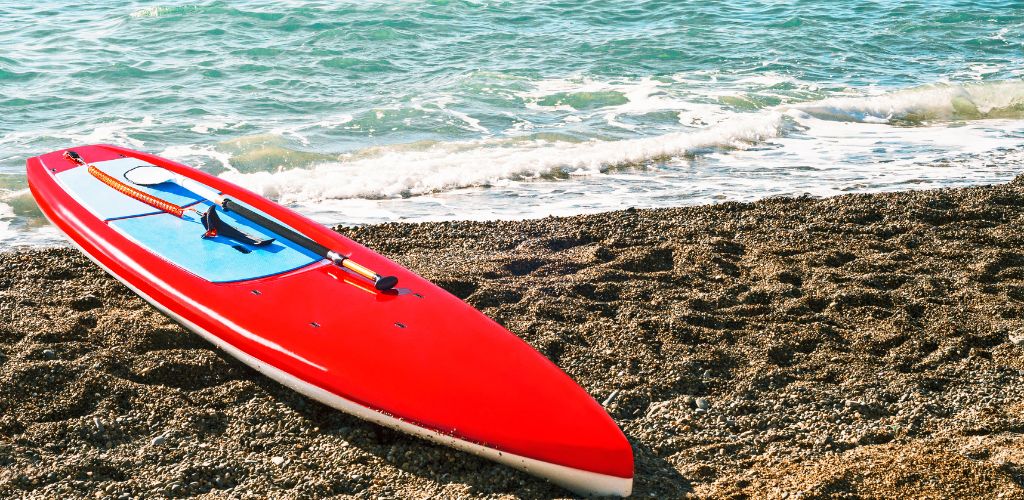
point(866, 344)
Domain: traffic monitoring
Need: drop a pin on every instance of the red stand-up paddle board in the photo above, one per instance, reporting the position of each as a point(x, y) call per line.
point(327, 317)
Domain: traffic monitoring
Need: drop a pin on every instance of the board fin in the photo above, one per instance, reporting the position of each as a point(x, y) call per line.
point(217, 227)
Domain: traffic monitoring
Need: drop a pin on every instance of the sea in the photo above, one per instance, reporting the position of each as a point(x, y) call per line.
point(361, 112)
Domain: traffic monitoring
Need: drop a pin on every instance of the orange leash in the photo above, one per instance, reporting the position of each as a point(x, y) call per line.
point(213, 225)
point(131, 192)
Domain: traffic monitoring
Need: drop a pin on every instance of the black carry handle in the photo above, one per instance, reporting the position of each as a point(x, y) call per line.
point(382, 283)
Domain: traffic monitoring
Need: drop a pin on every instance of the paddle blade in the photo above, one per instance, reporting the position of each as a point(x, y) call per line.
point(146, 175)
point(217, 227)
point(385, 283)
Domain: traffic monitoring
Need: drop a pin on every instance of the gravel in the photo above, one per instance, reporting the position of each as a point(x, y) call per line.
point(865, 345)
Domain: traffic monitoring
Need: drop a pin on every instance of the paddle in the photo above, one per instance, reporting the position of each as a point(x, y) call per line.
point(214, 226)
point(152, 175)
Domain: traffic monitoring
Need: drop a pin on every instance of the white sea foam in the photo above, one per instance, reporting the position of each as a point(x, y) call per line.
point(213, 125)
point(404, 171)
point(488, 162)
point(766, 79)
point(335, 121)
point(962, 134)
point(644, 95)
point(153, 11)
point(12, 233)
point(442, 103)
point(935, 102)
point(116, 132)
point(185, 153)
point(160, 10)
point(824, 147)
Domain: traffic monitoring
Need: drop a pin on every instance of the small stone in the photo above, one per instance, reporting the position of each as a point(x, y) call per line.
point(49, 353)
point(610, 398)
point(703, 404)
point(277, 460)
point(1017, 337)
point(159, 440)
point(99, 425)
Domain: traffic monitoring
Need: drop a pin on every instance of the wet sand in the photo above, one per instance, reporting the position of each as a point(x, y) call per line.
point(865, 345)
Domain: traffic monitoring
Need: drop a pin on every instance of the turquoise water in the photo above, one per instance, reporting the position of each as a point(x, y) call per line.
point(369, 111)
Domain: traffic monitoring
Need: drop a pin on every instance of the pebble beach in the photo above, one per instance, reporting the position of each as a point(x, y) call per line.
point(867, 345)
point(779, 242)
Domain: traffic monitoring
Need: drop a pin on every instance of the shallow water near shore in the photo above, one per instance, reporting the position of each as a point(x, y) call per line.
point(414, 111)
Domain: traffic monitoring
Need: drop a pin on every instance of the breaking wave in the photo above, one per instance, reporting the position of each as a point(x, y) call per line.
point(416, 169)
point(445, 166)
point(920, 105)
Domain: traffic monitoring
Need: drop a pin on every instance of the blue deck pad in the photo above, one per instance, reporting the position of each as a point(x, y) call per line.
point(106, 202)
point(214, 259)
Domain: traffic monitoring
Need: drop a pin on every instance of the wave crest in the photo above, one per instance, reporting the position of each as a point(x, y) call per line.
point(446, 166)
point(422, 168)
point(943, 102)
point(158, 10)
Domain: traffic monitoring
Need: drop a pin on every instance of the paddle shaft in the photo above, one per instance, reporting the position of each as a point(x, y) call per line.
point(303, 241)
point(382, 283)
point(280, 229)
